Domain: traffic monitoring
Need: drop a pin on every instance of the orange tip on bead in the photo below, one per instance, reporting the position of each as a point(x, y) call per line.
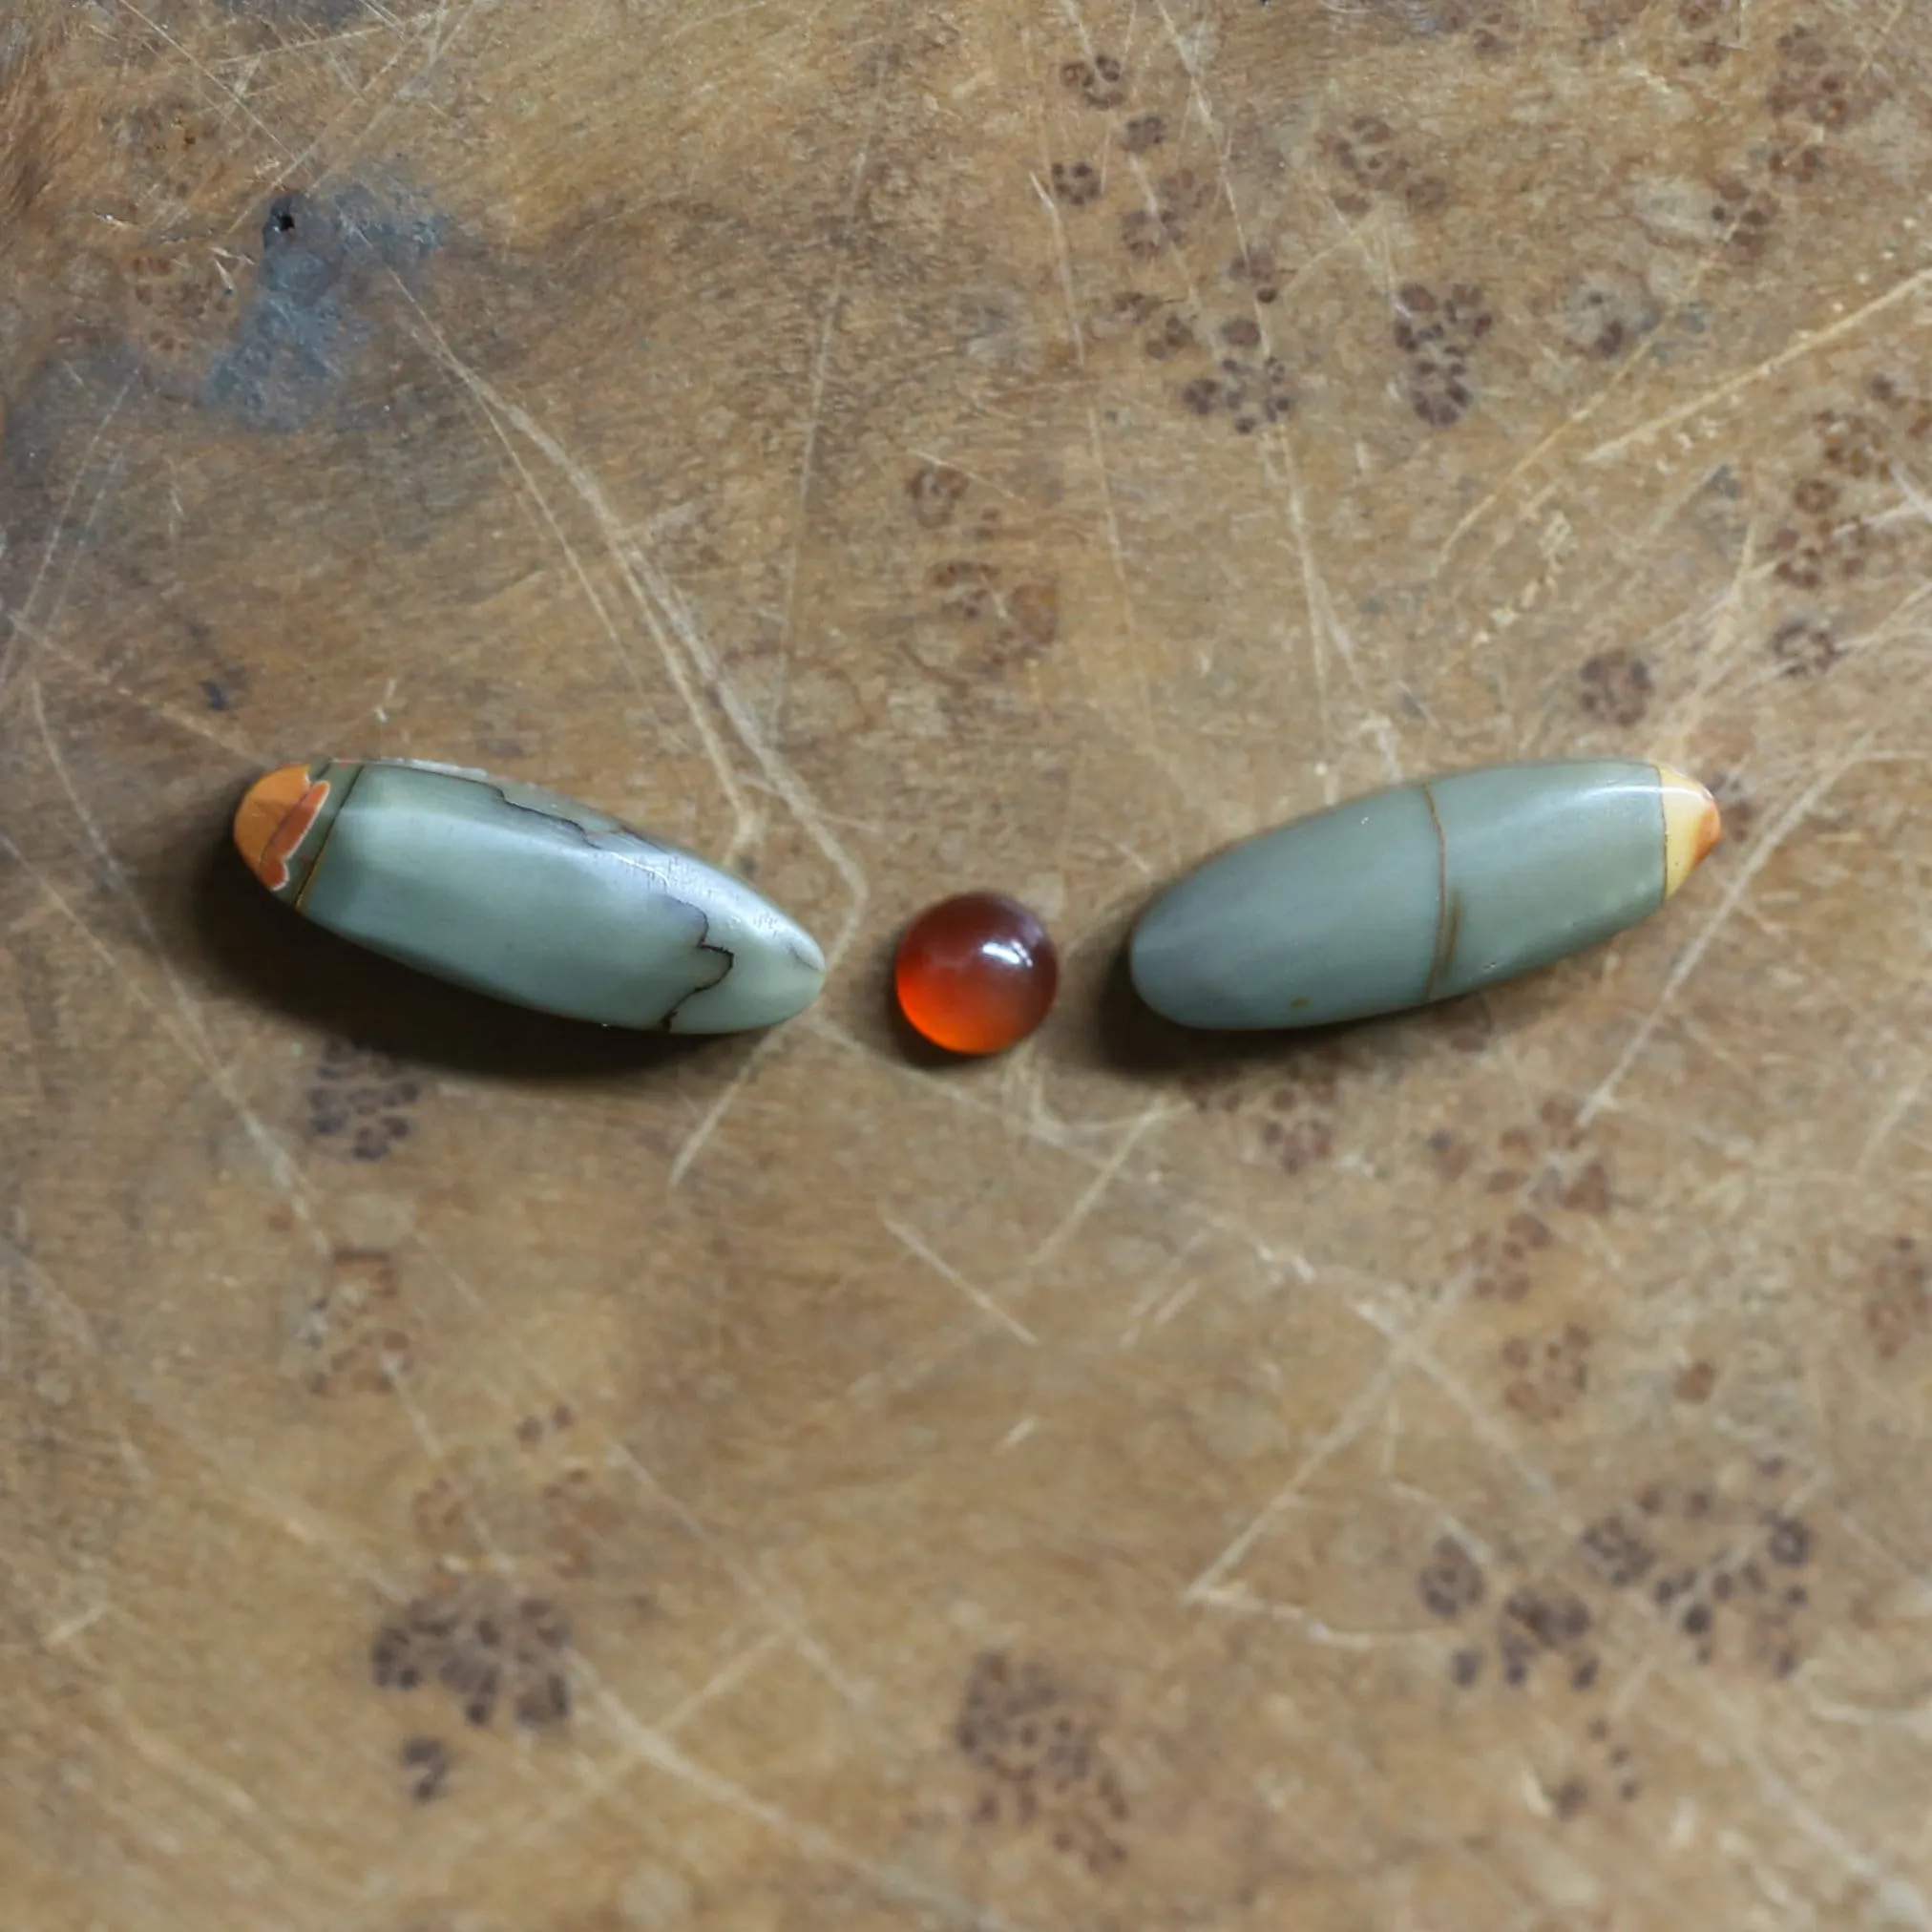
point(1692, 825)
point(272, 818)
point(976, 974)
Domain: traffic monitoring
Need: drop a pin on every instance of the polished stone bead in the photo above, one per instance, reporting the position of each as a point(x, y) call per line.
point(1419, 893)
point(976, 974)
point(525, 895)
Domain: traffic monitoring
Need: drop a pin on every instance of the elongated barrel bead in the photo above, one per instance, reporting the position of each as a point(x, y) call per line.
point(525, 895)
point(1419, 893)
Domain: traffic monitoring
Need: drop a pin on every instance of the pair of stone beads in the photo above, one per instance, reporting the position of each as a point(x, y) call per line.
point(1405, 896)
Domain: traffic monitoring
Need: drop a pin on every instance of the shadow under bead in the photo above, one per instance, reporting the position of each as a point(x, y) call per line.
point(1419, 893)
point(525, 895)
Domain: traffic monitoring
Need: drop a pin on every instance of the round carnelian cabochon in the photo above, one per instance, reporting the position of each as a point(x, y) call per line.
point(976, 974)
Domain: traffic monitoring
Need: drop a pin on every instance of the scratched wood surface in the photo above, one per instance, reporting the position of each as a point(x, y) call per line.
point(462, 1474)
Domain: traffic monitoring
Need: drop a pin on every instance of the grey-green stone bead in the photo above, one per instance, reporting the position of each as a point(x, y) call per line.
point(530, 897)
point(1418, 893)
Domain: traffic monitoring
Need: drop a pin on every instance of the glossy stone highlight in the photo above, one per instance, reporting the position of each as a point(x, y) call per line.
point(525, 895)
point(1692, 825)
point(1420, 893)
point(976, 974)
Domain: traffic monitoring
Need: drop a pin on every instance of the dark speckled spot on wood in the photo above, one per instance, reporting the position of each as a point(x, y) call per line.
point(363, 1103)
point(1099, 82)
point(1616, 687)
point(1621, 1555)
point(1075, 184)
point(1898, 1302)
point(1570, 1798)
point(324, 278)
point(426, 1763)
point(1451, 1582)
point(1036, 1744)
point(483, 1644)
point(1537, 1620)
point(934, 490)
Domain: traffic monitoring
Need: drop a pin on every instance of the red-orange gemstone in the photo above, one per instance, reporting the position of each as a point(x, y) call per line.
point(977, 974)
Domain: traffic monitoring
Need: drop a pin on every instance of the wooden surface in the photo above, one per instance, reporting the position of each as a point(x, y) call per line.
point(466, 1475)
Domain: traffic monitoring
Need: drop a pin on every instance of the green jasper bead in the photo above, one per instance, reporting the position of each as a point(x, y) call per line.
point(1419, 893)
point(525, 895)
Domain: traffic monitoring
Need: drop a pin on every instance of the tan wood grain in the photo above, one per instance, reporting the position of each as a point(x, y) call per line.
point(462, 1474)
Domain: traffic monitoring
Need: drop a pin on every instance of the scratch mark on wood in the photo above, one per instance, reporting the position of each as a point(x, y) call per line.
point(22, 623)
point(976, 1295)
point(1793, 816)
point(1898, 293)
point(815, 410)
